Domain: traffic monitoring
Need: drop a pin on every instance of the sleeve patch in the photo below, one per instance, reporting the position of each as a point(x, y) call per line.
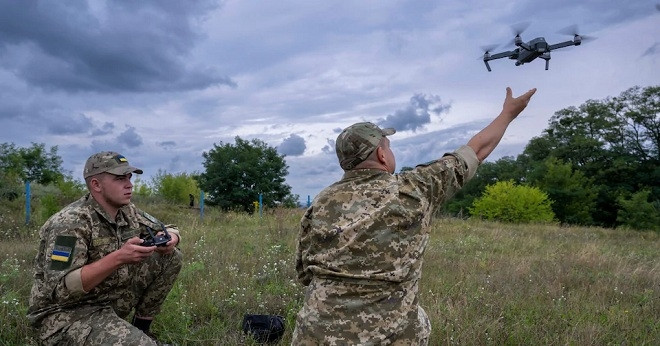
point(150, 218)
point(63, 252)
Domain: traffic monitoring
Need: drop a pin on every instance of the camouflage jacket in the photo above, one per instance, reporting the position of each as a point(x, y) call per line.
point(79, 234)
point(360, 251)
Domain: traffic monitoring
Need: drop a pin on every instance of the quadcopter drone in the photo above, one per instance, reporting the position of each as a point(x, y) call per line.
point(536, 48)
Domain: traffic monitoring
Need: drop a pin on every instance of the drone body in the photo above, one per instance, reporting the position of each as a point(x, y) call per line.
point(528, 51)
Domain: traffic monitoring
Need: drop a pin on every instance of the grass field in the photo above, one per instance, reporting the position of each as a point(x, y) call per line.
point(483, 283)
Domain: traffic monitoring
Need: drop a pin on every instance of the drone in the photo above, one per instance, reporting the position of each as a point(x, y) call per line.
point(536, 48)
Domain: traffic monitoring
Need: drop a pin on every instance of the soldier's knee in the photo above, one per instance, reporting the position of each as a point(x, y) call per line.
point(177, 258)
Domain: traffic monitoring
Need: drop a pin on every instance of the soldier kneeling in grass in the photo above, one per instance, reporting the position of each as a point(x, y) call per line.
point(99, 259)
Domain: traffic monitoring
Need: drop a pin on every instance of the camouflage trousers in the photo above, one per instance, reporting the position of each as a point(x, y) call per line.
point(361, 313)
point(152, 281)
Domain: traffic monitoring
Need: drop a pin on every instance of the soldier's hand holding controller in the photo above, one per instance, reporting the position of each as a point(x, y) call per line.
point(133, 252)
point(168, 247)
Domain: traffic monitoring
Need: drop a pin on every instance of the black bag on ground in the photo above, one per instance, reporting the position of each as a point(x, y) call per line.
point(264, 328)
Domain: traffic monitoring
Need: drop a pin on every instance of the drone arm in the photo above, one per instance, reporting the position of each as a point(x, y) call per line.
point(561, 45)
point(488, 57)
point(502, 55)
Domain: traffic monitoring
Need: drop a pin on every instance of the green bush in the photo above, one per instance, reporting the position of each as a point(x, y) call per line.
point(69, 189)
point(572, 193)
point(48, 206)
point(175, 187)
point(508, 202)
point(141, 188)
point(638, 213)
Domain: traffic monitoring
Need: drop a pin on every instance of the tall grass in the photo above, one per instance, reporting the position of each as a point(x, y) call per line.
point(483, 283)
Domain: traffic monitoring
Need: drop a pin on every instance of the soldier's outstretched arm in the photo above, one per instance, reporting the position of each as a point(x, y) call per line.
point(484, 142)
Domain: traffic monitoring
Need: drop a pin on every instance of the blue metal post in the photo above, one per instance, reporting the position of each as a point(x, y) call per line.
point(261, 206)
point(27, 202)
point(309, 201)
point(201, 205)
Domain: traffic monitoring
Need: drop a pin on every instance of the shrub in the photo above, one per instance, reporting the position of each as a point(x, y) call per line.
point(48, 206)
point(175, 187)
point(508, 202)
point(638, 213)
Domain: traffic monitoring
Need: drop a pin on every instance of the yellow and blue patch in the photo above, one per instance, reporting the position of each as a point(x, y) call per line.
point(61, 253)
point(121, 158)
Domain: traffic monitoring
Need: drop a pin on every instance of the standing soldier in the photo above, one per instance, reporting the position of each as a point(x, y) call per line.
point(92, 268)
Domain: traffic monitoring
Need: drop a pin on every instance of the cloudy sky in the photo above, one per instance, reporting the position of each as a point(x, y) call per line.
point(162, 81)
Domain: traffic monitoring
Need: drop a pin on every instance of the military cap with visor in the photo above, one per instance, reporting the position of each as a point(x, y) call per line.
point(357, 142)
point(108, 162)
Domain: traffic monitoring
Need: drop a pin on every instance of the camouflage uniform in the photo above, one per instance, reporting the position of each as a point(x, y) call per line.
point(360, 253)
point(78, 235)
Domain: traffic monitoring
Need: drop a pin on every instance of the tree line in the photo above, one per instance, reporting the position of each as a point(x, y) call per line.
point(595, 164)
point(235, 176)
point(598, 163)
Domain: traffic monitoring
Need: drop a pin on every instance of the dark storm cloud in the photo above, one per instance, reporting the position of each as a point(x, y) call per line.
point(595, 14)
point(103, 130)
point(330, 147)
point(416, 114)
point(9, 110)
point(293, 145)
point(167, 144)
point(127, 46)
point(654, 49)
point(422, 148)
point(175, 164)
point(130, 138)
point(69, 125)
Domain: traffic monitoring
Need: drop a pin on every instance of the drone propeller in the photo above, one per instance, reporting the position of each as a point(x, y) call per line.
point(519, 28)
point(573, 30)
point(489, 48)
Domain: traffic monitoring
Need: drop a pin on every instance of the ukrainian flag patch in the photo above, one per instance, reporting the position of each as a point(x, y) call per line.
point(63, 252)
point(121, 158)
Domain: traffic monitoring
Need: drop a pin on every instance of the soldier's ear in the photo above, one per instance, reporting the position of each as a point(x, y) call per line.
point(380, 154)
point(95, 183)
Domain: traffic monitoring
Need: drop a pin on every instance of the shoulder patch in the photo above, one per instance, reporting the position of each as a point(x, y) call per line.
point(63, 252)
point(149, 217)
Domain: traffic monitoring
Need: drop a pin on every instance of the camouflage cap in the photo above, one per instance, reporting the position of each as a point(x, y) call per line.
point(110, 162)
point(357, 141)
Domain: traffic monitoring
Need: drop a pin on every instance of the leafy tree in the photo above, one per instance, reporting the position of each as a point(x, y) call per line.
point(236, 174)
point(638, 213)
point(10, 185)
point(572, 193)
point(613, 142)
point(141, 188)
point(508, 202)
point(69, 189)
point(35, 164)
point(640, 109)
point(175, 187)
